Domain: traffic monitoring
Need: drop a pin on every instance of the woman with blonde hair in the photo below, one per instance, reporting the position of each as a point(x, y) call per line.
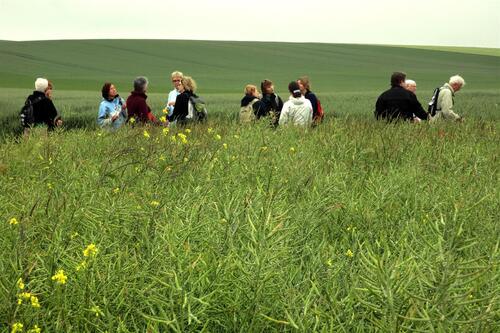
point(305, 89)
point(183, 111)
point(250, 104)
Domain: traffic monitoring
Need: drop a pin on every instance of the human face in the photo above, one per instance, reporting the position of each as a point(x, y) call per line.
point(411, 87)
point(176, 82)
point(112, 91)
point(270, 89)
point(456, 87)
point(301, 87)
point(48, 92)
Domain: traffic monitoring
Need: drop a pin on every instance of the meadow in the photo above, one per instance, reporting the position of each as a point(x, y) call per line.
point(352, 226)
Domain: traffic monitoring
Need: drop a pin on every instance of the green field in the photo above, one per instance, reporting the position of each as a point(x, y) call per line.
point(353, 226)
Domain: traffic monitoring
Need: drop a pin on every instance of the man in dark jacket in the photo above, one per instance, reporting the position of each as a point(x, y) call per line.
point(271, 103)
point(136, 103)
point(44, 111)
point(395, 103)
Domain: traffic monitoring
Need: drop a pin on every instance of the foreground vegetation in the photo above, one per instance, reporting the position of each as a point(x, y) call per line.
point(352, 226)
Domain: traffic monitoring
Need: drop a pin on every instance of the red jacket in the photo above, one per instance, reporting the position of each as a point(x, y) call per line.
point(138, 108)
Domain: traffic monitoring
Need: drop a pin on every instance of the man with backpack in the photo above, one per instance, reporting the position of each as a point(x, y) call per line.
point(39, 108)
point(441, 104)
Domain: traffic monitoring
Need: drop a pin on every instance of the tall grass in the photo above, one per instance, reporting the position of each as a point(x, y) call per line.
point(352, 226)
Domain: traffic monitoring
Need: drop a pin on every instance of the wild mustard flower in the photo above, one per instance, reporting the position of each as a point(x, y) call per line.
point(20, 284)
point(236, 136)
point(224, 145)
point(34, 302)
point(13, 221)
point(264, 148)
point(218, 137)
point(96, 310)
point(90, 251)
point(210, 130)
point(186, 159)
point(81, 266)
point(329, 262)
point(173, 138)
point(74, 235)
point(183, 137)
point(131, 120)
point(164, 111)
point(292, 150)
point(116, 190)
point(165, 131)
point(187, 130)
point(162, 158)
point(17, 327)
point(349, 253)
point(35, 329)
point(146, 134)
point(155, 203)
point(163, 119)
point(60, 277)
point(49, 186)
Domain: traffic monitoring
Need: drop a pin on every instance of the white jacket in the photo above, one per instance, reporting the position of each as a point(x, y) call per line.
point(445, 104)
point(297, 111)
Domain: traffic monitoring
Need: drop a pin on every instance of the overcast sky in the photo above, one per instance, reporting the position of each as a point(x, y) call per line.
point(417, 22)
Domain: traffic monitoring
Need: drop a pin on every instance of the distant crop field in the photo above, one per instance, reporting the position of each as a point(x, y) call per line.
point(352, 226)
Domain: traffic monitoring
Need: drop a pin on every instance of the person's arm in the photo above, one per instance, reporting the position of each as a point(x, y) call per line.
point(103, 118)
point(52, 114)
point(172, 96)
point(379, 107)
point(417, 108)
point(447, 105)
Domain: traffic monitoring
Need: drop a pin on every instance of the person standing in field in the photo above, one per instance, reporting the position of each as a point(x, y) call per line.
point(44, 111)
point(172, 96)
point(305, 89)
point(395, 104)
point(137, 107)
point(418, 111)
point(271, 103)
point(297, 110)
point(445, 100)
point(250, 104)
point(183, 112)
point(112, 110)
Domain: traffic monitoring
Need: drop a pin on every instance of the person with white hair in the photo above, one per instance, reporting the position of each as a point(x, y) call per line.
point(44, 111)
point(445, 99)
point(176, 77)
point(418, 111)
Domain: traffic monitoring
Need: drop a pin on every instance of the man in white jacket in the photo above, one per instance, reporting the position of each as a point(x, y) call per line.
point(445, 99)
point(297, 110)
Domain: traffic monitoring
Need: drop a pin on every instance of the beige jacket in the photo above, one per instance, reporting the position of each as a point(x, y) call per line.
point(445, 104)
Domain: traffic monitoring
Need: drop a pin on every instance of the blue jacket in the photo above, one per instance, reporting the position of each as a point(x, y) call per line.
point(107, 109)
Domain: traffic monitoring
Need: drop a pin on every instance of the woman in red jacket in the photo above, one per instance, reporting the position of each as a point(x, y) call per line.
point(136, 103)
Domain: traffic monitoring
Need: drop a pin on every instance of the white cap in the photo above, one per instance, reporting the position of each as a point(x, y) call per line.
point(41, 84)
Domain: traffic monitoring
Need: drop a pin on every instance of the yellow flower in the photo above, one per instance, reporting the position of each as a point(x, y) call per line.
point(17, 327)
point(162, 158)
point(81, 266)
point(263, 148)
point(186, 159)
point(349, 253)
point(224, 145)
point(183, 137)
point(165, 131)
point(74, 235)
point(35, 329)
point(165, 111)
point(131, 120)
point(329, 262)
point(155, 203)
point(187, 130)
point(146, 134)
point(236, 136)
point(96, 310)
point(163, 119)
point(174, 138)
point(59, 277)
point(218, 137)
point(49, 186)
point(292, 150)
point(90, 251)
point(210, 130)
point(116, 190)
point(25, 295)
point(99, 134)
point(34, 302)
point(20, 284)
point(13, 221)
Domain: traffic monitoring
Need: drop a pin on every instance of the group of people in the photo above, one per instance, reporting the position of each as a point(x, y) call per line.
point(400, 101)
point(302, 108)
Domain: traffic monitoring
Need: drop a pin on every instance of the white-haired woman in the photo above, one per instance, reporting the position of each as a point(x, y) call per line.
point(445, 99)
point(172, 96)
point(44, 111)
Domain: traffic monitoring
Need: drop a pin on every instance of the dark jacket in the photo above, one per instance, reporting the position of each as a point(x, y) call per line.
point(44, 110)
point(314, 102)
point(417, 108)
point(139, 109)
point(181, 109)
point(270, 103)
point(256, 106)
point(394, 104)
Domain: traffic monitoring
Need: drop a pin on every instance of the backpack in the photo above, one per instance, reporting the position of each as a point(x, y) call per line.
point(432, 108)
point(27, 114)
point(321, 113)
point(197, 109)
point(246, 112)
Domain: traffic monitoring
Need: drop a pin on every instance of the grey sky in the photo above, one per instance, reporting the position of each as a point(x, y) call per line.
point(424, 22)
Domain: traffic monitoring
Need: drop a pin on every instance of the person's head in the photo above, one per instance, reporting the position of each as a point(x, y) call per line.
point(176, 79)
point(251, 90)
point(267, 87)
point(411, 85)
point(109, 91)
point(41, 84)
point(188, 83)
point(398, 79)
point(456, 82)
point(304, 84)
point(141, 84)
point(294, 89)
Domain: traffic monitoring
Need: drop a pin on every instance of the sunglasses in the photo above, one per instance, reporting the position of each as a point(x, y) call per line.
point(176, 81)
